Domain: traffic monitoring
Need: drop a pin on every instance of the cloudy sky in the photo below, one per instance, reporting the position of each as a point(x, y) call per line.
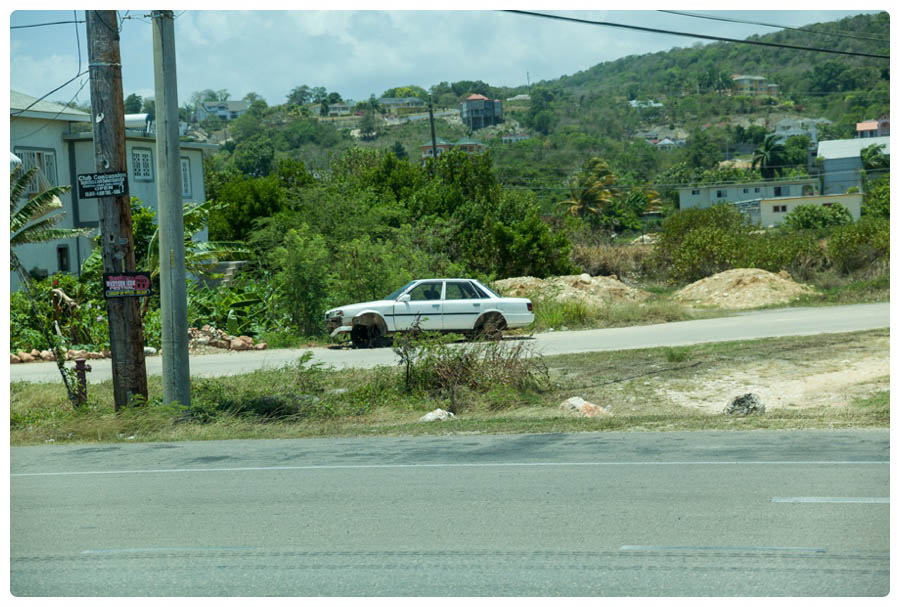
point(357, 53)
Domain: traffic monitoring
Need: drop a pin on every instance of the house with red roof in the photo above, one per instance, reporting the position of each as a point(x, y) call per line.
point(477, 111)
point(874, 128)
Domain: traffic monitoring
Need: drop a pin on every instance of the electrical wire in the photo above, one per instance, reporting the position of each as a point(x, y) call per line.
point(42, 97)
point(798, 29)
point(50, 120)
point(702, 36)
point(16, 27)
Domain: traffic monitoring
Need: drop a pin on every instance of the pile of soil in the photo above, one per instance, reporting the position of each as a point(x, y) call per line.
point(577, 287)
point(743, 288)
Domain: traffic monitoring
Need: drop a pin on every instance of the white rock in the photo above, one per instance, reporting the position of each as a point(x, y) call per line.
point(576, 403)
point(437, 415)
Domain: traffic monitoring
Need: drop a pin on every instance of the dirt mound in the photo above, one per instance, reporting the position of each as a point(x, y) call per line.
point(577, 287)
point(743, 288)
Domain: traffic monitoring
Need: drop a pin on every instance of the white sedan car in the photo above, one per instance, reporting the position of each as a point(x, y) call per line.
point(459, 305)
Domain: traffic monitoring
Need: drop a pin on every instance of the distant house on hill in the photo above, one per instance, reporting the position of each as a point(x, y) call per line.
point(644, 104)
point(789, 127)
point(469, 146)
point(522, 97)
point(754, 86)
point(874, 128)
point(477, 112)
point(706, 195)
point(514, 137)
point(401, 105)
point(226, 110)
point(334, 109)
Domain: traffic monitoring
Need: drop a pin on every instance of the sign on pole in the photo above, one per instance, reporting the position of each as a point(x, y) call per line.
point(126, 284)
point(98, 185)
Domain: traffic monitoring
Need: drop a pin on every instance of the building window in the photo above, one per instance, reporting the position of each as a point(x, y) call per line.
point(720, 193)
point(780, 208)
point(45, 163)
point(62, 258)
point(695, 192)
point(186, 177)
point(142, 164)
point(746, 190)
point(756, 190)
point(778, 190)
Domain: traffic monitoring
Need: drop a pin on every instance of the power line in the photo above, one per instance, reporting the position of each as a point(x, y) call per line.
point(798, 29)
point(16, 27)
point(42, 97)
point(702, 36)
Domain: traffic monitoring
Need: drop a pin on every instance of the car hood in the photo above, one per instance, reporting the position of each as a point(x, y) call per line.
point(359, 307)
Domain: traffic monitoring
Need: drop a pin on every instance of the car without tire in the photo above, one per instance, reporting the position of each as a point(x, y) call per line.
point(453, 305)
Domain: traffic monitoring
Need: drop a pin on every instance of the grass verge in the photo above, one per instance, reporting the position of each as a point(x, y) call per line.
point(307, 400)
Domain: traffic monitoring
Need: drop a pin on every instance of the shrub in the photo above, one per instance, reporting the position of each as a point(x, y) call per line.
point(817, 217)
point(861, 245)
point(301, 283)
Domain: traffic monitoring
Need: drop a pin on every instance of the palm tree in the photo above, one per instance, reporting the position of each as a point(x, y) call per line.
point(769, 156)
point(34, 221)
point(592, 189)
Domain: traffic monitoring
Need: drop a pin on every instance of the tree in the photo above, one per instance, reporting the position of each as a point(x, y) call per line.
point(399, 151)
point(333, 98)
point(299, 95)
point(701, 152)
point(874, 159)
point(133, 103)
point(319, 94)
point(592, 189)
point(368, 128)
point(770, 157)
point(255, 157)
point(149, 107)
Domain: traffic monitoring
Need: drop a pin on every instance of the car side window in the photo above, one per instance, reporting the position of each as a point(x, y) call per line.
point(460, 290)
point(480, 292)
point(426, 291)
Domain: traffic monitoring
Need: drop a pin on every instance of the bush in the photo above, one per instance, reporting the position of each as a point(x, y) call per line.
point(301, 283)
point(695, 243)
point(860, 246)
point(817, 217)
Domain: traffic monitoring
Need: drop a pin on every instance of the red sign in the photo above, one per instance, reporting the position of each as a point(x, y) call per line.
point(126, 284)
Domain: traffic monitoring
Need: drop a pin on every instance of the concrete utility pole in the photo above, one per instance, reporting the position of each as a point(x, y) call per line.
point(126, 335)
point(172, 280)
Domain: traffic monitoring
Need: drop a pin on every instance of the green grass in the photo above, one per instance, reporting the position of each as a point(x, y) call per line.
point(307, 400)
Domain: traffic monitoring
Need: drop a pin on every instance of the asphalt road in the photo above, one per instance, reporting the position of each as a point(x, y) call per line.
point(596, 514)
point(749, 325)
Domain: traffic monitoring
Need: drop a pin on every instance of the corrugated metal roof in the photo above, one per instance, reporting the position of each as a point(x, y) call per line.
point(19, 101)
point(850, 148)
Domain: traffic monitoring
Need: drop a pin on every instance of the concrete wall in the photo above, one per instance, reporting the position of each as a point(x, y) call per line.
point(768, 217)
point(841, 174)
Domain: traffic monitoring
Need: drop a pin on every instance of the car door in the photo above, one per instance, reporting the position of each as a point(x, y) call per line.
point(424, 302)
point(462, 306)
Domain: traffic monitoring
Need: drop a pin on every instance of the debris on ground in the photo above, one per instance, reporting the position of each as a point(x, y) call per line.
point(745, 405)
point(586, 409)
point(743, 288)
point(437, 415)
point(209, 338)
point(589, 289)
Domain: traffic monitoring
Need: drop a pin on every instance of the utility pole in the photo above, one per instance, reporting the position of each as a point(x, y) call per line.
point(433, 140)
point(172, 280)
point(126, 335)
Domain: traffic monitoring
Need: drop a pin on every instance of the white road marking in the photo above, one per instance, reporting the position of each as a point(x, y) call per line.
point(446, 465)
point(832, 500)
point(719, 548)
point(167, 549)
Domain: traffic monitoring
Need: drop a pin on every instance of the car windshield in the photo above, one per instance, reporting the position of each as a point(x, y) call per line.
point(396, 294)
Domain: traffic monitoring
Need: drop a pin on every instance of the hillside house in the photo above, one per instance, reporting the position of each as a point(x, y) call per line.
point(514, 137)
point(841, 162)
point(469, 146)
point(874, 128)
point(226, 110)
point(754, 86)
point(45, 136)
point(477, 112)
point(789, 127)
point(402, 105)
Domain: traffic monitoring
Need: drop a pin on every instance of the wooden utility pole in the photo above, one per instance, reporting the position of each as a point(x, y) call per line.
point(172, 278)
point(126, 335)
point(433, 140)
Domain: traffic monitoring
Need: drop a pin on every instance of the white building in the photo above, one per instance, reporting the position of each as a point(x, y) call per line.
point(706, 195)
point(44, 136)
point(841, 162)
